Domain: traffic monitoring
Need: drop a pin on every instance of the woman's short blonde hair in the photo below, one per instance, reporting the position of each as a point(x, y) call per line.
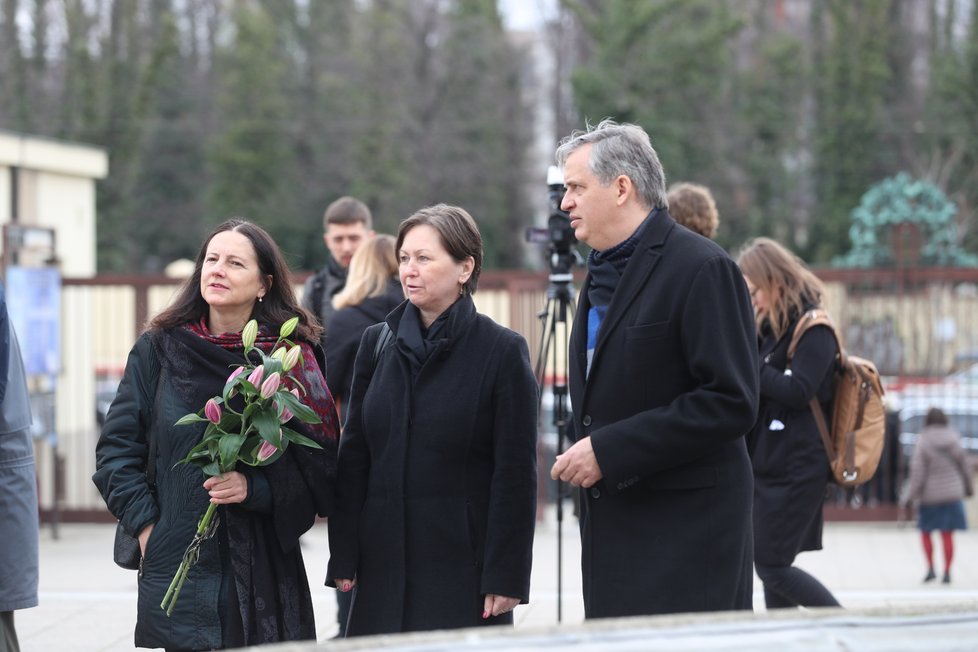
point(692, 205)
point(372, 267)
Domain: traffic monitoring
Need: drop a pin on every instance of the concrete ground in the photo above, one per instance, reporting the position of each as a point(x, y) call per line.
point(88, 604)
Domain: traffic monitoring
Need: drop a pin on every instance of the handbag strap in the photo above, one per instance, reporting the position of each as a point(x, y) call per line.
point(383, 339)
point(955, 462)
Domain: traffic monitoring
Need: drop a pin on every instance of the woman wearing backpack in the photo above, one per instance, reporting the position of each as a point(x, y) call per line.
point(789, 461)
point(940, 478)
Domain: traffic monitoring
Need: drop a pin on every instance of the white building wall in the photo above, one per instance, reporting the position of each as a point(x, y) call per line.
point(56, 189)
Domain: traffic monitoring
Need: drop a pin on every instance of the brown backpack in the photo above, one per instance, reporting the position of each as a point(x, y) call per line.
point(854, 443)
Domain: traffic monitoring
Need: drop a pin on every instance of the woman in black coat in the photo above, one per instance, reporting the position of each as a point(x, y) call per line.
point(249, 585)
point(436, 492)
point(790, 464)
point(372, 290)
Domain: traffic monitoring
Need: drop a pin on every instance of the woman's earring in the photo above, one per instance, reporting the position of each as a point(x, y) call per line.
point(461, 289)
point(259, 299)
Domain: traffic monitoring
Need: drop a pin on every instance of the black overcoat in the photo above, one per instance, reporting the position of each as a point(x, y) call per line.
point(791, 467)
point(671, 392)
point(436, 494)
point(255, 543)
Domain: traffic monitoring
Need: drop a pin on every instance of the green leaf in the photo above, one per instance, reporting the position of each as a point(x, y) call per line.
point(228, 450)
point(212, 469)
point(189, 418)
point(268, 426)
point(296, 438)
point(302, 412)
point(230, 422)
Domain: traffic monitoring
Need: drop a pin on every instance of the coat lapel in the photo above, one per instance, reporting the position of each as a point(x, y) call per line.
point(640, 267)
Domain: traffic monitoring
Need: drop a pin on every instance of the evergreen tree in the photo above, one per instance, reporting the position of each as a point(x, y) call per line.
point(851, 78)
point(251, 163)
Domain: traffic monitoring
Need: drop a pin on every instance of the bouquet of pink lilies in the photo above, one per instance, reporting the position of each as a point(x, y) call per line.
point(255, 436)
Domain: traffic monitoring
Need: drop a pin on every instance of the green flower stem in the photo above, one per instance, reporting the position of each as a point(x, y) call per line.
point(189, 559)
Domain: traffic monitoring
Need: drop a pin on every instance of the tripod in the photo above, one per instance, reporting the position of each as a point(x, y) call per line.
point(553, 358)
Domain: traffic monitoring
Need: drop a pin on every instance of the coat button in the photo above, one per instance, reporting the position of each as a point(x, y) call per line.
point(586, 420)
point(595, 492)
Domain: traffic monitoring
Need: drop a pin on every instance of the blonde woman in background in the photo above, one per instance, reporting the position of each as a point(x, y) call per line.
point(372, 290)
point(791, 468)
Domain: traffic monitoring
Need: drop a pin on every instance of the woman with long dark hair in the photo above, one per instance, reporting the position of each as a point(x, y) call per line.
point(249, 585)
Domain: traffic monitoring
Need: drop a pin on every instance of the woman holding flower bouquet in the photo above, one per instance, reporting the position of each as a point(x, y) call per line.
point(436, 484)
point(216, 385)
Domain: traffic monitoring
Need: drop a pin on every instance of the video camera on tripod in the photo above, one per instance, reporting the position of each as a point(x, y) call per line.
point(558, 235)
point(555, 318)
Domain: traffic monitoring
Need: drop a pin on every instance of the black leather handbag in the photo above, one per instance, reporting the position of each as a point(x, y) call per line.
point(125, 549)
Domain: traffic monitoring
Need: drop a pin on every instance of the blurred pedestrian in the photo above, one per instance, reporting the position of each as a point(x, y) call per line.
point(663, 383)
point(693, 206)
point(791, 468)
point(347, 224)
point(372, 290)
point(436, 487)
point(249, 585)
point(940, 478)
point(18, 487)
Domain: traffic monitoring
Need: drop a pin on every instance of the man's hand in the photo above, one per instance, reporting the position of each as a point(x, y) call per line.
point(577, 465)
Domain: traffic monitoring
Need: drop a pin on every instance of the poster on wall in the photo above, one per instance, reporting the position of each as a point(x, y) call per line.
point(34, 305)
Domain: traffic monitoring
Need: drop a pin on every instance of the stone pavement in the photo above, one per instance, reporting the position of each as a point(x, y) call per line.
point(88, 604)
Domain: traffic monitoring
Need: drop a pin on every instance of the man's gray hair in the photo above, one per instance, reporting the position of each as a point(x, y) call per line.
point(620, 149)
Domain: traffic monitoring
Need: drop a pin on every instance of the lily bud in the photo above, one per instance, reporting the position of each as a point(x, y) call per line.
point(270, 386)
point(266, 451)
point(279, 353)
point(256, 376)
point(212, 411)
point(288, 327)
point(295, 393)
point(286, 415)
point(234, 374)
point(249, 334)
point(291, 358)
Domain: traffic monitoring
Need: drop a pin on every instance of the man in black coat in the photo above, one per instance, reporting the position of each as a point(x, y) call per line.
point(663, 384)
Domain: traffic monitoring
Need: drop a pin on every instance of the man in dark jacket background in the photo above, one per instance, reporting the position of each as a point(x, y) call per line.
point(347, 223)
point(663, 384)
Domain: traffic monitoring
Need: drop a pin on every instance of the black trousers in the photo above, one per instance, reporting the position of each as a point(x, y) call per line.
point(787, 586)
point(8, 635)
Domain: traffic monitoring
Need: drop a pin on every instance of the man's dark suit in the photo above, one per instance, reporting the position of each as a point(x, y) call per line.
point(672, 390)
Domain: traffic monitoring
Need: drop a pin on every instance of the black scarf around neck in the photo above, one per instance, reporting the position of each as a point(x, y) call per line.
point(415, 341)
point(606, 268)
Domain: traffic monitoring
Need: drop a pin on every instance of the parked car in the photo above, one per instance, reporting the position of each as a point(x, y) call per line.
point(105, 390)
point(961, 408)
point(966, 376)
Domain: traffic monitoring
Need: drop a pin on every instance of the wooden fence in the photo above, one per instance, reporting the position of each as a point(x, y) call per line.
point(912, 322)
